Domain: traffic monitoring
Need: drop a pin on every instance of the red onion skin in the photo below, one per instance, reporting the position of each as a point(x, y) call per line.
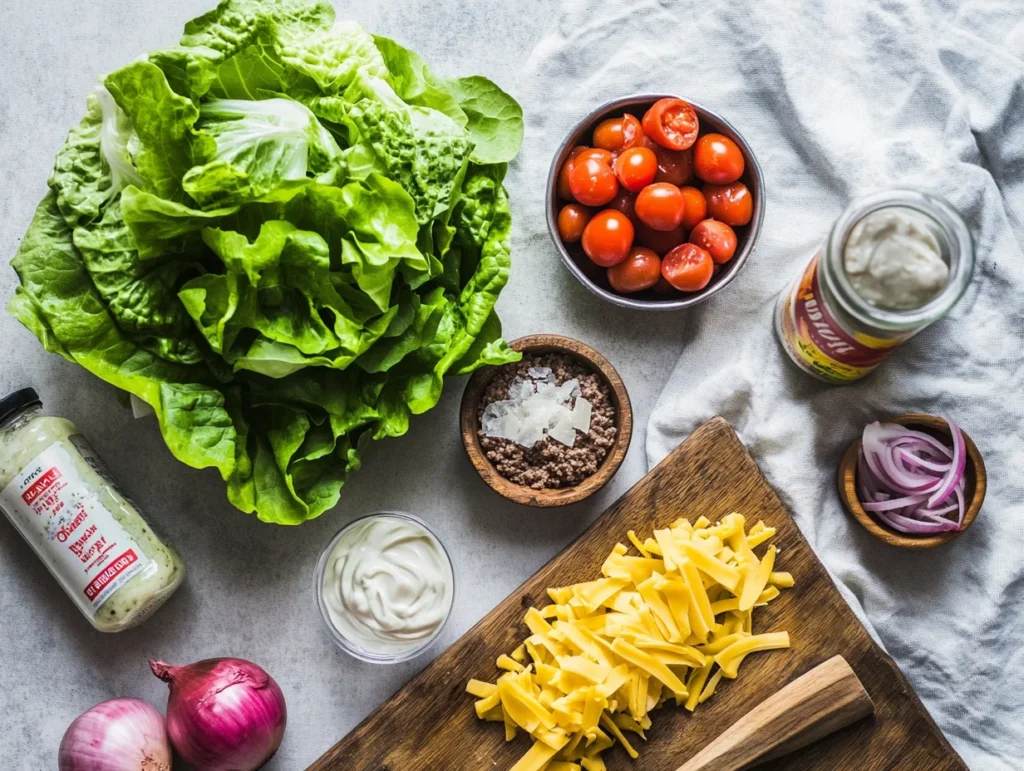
point(223, 714)
point(116, 735)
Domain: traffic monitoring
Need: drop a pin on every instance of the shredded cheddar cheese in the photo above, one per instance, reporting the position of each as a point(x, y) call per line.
point(669, 624)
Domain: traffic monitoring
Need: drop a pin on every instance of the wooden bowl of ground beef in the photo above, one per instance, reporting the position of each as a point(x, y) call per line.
point(566, 382)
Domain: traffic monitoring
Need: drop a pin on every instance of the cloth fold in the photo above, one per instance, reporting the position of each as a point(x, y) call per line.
point(838, 99)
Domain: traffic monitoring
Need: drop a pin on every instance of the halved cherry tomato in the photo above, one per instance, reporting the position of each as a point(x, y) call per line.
point(632, 132)
point(696, 206)
point(661, 241)
point(732, 204)
point(674, 166)
point(636, 168)
point(672, 123)
point(639, 271)
point(608, 135)
point(717, 238)
point(688, 268)
point(592, 182)
point(624, 202)
point(572, 219)
point(608, 238)
point(564, 191)
point(717, 159)
point(660, 206)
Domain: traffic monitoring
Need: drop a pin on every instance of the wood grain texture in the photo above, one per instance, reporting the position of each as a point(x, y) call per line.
point(469, 424)
point(975, 484)
point(430, 725)
point(816, 704)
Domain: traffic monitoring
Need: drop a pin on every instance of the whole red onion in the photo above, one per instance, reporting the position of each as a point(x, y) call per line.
point(223, 714)
point(116, 735)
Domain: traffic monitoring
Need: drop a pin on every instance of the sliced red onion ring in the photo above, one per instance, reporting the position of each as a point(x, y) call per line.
point(916, 526)
point(910, 480)
point(894, 503)
point(921, 461)
point(956, 473)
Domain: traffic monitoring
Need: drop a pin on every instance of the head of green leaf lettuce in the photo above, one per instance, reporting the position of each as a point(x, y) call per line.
point(281, 234)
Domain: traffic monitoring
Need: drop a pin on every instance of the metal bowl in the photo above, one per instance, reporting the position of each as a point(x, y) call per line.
point(594, 277)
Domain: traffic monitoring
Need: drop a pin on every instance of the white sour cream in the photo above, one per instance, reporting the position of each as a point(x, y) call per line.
point(387, 585)
point(893, 259)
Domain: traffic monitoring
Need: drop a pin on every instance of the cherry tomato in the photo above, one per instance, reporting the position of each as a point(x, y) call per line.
point(618, 134)
point(660, 206)
point(674, 166)
point(608, 134)
point(608, 238)
point(717, 238)
point(632, 132)
point(639, 271)
point(672, 123)
point(688, 268)
point(604, 156)
point(572, 219)
point(696, 208)
point(717, 159)
point(661, 241)
point(564, 191)
point(592, 182)
point(636, 168)
point(624, 202)
point(732, 204)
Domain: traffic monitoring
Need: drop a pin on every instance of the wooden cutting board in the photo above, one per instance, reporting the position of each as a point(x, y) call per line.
point(430, 723)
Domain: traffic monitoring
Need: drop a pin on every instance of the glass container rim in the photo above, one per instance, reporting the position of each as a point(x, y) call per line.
point(343, 642)
point(940, 212)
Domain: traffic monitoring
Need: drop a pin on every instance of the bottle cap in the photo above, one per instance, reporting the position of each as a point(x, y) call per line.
point(18, 402)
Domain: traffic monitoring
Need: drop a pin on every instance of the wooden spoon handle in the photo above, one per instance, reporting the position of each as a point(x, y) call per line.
point(827, 698)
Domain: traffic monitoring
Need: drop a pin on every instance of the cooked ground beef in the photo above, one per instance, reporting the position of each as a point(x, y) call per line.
point(549, 464)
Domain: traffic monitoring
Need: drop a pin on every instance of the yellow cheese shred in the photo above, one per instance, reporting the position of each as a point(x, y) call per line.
point(667, 625)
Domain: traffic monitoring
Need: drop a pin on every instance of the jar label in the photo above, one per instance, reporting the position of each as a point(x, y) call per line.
point(78, 538)
point(816, 339)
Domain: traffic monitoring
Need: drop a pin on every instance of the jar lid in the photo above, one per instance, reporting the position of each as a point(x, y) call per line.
point(18, 402)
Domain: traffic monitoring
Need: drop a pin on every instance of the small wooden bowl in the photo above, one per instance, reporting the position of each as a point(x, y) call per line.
point(974, 486)
point(469, 424)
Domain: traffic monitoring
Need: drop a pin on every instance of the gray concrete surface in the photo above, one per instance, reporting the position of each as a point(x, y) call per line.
point(249, 591)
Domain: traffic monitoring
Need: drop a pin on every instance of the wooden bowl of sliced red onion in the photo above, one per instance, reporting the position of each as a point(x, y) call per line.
point(915, 481)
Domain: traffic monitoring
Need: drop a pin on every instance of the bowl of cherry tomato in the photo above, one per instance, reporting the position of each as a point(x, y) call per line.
point(655, 202)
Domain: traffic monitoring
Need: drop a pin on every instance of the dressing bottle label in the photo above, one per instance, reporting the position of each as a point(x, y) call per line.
point(816, 338)
point(77, 537)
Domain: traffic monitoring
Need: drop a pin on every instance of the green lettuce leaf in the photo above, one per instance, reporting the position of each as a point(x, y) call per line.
point(57, 286)
point(95, 163)
point(494, 119)
point(163, 121)
point(265, 151)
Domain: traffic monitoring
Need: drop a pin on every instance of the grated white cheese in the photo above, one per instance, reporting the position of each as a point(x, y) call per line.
point(537, 407)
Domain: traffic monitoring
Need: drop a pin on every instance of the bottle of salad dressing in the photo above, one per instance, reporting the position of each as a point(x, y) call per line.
point(60, 496)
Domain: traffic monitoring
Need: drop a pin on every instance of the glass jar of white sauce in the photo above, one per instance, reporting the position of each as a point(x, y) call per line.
point(385, 587)
point(60, 496)
point(894, 262)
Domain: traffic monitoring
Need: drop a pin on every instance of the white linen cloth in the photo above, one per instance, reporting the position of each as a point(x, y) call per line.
point(840, 98)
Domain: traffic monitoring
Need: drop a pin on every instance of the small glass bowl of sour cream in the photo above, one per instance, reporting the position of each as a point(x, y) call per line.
point(385, 587)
